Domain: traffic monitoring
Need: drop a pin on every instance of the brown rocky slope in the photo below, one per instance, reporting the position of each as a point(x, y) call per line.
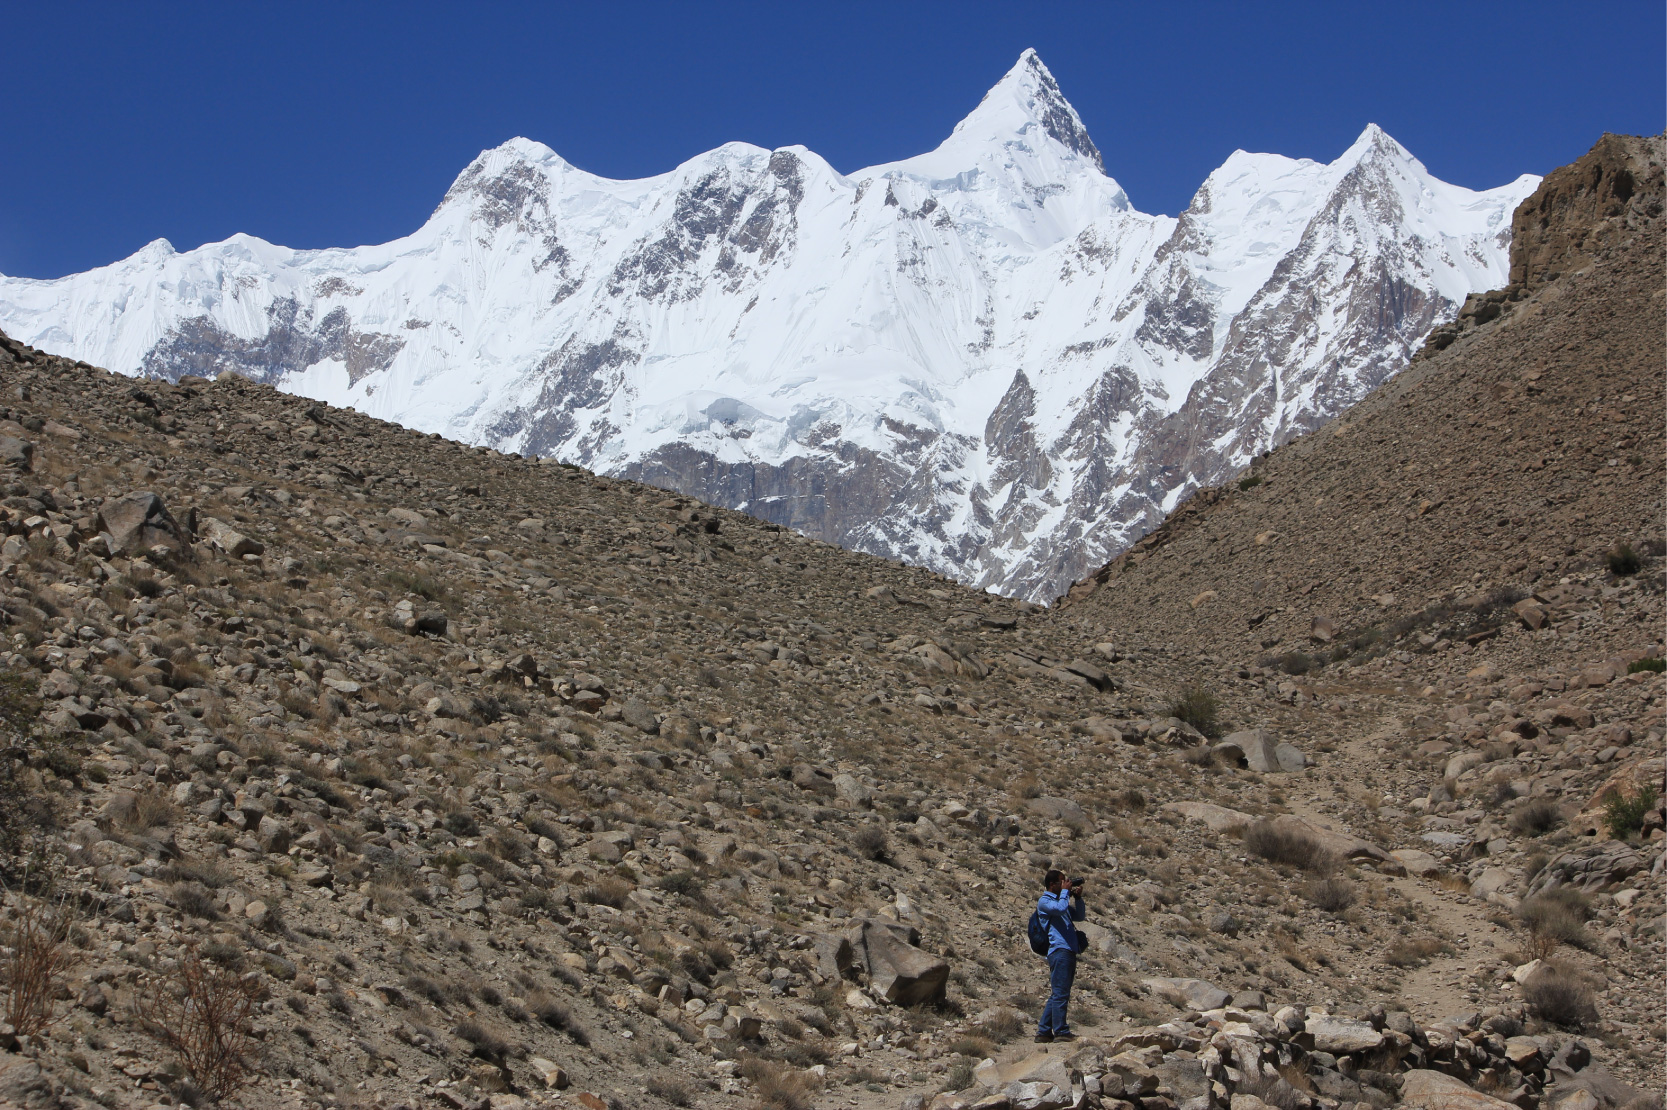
point(493, 782)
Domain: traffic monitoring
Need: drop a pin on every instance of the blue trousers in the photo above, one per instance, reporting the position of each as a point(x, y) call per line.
point(1062, 971)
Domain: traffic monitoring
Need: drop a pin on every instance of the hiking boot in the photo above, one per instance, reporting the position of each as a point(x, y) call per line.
point(1044, 1038)
point(1063, 1037)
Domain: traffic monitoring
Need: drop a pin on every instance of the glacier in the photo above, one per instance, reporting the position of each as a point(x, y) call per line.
point(982, 359)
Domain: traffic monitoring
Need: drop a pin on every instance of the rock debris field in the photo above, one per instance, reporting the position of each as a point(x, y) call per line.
point(452, 778)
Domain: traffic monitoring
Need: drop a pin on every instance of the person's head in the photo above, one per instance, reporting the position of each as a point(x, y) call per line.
point(1053, 880)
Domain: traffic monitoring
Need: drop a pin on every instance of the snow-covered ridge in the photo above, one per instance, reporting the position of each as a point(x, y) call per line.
point(982, 359)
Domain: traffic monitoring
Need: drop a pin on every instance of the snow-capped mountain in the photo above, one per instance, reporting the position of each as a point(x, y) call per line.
point(981, 359)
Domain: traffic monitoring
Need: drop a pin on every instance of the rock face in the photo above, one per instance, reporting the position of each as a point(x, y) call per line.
point(982, 360)
point(1391, 470)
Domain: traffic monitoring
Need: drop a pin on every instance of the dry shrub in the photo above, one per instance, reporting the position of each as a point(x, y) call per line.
point(140, 813)
point(1197, 707)
point(1288, 846)
point(552, 1013)
point(204, 1015)
point(1560, 998)
point(1411, 953)
point(1555, 917)
point(672, 1089)
point(607, 892)
point(870, 842)
point(37, 938)
point(1534, 817)
point(1001, 1026)
point(779, 1087)
point(1330, 895)
point(484, 1043)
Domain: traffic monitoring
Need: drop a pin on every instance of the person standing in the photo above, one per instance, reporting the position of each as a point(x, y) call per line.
point(1060, 908)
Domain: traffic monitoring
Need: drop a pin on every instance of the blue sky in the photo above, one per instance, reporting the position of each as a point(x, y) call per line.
point(321, 125)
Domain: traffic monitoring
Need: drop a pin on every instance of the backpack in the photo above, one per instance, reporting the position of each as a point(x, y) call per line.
point(1038, 932)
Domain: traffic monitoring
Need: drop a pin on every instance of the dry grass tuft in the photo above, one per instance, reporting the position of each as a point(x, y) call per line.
point(779, 1086)
point(1558, 997)
point(1411, 953)
point(1289, 847)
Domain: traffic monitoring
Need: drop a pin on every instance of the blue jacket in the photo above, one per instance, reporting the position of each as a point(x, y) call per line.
point(1059, 913)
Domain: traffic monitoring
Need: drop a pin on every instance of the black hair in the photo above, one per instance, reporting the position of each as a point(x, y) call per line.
point(1053, 876)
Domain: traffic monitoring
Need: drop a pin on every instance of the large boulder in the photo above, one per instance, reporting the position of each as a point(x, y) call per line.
point(898, 971)
point(1061, 810)
point(1213, 817)
point(1592, 868)
point(229, 540)
point(1434, 1090)
point(1341, 1036)
point(139, 522)
point(1261, 751)
point(1188, 994)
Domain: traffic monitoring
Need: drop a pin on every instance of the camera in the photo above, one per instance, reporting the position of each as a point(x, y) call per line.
point(1078, 881)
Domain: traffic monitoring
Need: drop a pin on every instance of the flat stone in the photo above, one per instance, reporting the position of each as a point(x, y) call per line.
point(1433, 1090)
point(1341, 1036)
point(1189, 994)
point(1213, 817)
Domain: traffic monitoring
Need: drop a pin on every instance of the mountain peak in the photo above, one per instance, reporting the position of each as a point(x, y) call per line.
point(1028, 96)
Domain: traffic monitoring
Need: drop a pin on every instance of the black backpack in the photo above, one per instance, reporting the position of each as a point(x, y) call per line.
point(1038, 931)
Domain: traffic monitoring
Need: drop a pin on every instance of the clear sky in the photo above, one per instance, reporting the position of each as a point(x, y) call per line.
point(317, 125)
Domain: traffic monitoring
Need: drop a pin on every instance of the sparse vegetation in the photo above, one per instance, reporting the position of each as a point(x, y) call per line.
point(871, 843)
point(778, 1086)
point(1624, 813)
point(1623, 560)
point(204, 1014)
point(1287, 846)
point(37, 955)
point(1560, 998)
point(1535, 817)
point(1330, 895)
point(1556, 917)
point(1198, 707)
point(1413, 952)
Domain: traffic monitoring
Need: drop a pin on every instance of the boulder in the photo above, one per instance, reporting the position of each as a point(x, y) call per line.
point(636, 713)
point(1188, 994)
point(1341, 1036)
point(1037, 1096)
point(229, 540)
point(16, 453)
point(138, 522)
point(1213, 817)
point(898, 971)
point(1039, 1067)
point(852, 790)
point(1262, 752)
point(835, 958)
point(1061, 810)
point(1591, 868)
point(1417, 862)
point(1434, 1090)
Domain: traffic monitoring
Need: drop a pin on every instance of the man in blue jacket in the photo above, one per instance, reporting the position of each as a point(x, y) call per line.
point(1061, 908)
